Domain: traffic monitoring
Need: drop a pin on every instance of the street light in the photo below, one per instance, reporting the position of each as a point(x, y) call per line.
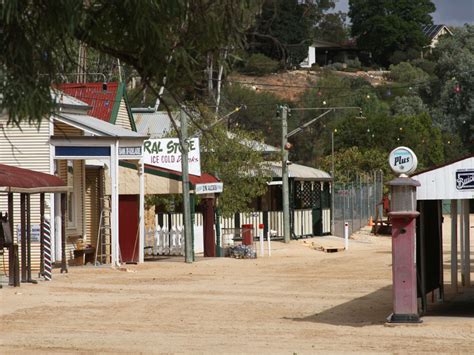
point(284, 153)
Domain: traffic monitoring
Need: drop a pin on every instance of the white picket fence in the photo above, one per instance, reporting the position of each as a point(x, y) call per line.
point(170, 241)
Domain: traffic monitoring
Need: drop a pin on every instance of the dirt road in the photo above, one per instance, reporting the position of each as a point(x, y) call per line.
point(299, 300)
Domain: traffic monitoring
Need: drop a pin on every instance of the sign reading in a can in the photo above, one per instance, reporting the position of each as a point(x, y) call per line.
point(210, 188)
point(403, 160)
point(465, 179)
point(166, 153)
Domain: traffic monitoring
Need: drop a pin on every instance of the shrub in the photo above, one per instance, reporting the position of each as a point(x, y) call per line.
point(354, 64)
point(259, 64)
point(405, 73)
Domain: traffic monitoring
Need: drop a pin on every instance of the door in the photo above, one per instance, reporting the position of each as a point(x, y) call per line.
point(317, 210)
point(128, 228)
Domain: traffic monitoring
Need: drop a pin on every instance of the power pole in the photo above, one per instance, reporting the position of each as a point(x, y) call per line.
point(284, 173)
point(188, 233)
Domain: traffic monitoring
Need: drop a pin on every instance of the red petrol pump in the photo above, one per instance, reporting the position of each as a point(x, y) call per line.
point(403, 216)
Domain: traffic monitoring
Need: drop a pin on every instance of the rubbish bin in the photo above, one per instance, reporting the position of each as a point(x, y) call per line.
point(247, 234)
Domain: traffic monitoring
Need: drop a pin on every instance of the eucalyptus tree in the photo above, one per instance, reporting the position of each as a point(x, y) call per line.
point(167, 42)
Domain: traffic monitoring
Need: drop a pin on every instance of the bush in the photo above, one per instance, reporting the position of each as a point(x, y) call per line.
point(259, 64)
point(354, 64)
point(335, 66)
point(406, 73)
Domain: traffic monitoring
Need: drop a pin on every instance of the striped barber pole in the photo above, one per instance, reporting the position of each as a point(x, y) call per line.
point(47, 251)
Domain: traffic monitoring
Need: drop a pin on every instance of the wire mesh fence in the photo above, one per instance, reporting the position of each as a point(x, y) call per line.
point(356, 202)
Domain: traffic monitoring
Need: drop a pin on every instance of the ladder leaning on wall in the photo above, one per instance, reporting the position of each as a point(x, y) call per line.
point(103, 250)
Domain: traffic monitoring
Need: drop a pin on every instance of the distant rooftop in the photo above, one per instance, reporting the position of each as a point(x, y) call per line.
point(431, 31)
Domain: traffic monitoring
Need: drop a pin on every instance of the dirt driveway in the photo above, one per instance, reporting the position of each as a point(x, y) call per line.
point(299, 300)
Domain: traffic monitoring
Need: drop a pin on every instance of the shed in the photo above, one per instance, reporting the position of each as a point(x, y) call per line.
point(452, 181)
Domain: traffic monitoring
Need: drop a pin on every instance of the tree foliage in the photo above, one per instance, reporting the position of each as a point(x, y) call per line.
point(386, 26)
point(332, 28)
point(158, 39)
point(258, 114)
point(239, 166)
point(451, 94)
point(283, 29)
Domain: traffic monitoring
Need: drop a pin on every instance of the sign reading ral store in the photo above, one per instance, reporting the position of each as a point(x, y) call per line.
point(210, 188)
point(403, 160)
point(166, 153)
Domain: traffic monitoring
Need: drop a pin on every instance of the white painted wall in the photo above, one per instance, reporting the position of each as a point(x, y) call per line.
point(440, 184)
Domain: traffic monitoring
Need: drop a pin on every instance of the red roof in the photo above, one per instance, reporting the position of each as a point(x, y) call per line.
point(15, 179)
point(205, 178)
point(102, 102)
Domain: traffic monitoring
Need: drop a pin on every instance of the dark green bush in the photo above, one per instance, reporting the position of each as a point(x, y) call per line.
point(259, 64)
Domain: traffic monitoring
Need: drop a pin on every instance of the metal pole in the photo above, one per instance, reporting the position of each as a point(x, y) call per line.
point(28, 237)
point(23, 237)
point(284, 170)
point(454, 244)
point(63, 234)
point(333, 182)
point(188, 236)
point(467, 244)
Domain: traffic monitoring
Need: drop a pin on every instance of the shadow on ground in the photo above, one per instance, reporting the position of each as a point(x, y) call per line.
point(455, 305)
point(371, 309)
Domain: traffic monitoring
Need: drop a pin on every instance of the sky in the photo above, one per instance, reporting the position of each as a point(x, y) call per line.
point(448, 12)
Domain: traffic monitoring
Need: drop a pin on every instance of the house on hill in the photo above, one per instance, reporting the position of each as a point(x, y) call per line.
point(434, 32)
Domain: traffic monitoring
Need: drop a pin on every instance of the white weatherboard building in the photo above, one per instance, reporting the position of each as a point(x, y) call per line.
point(63, 144)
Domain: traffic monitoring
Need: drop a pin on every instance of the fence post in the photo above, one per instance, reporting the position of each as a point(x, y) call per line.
point(346, 235)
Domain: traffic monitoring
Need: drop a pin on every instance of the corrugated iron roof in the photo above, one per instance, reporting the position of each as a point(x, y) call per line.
point(62, 98)
point(101, 101)
point(156, 124)
point(299, 172)
point(14, 179)
point(96, 126)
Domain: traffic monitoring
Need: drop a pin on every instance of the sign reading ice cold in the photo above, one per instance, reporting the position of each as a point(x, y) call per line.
point(403, 160)
point(166, 153)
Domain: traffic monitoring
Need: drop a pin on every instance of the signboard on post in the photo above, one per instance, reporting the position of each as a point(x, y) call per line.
point(166, 153)
point(210, 188)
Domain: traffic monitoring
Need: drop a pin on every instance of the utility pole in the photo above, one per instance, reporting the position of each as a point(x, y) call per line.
point(284, 173)
point(188, 233)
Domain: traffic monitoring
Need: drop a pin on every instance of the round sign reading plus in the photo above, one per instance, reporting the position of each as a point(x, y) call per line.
point(403, 161)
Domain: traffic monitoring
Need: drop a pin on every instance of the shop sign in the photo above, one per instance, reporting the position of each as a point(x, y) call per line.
point(35, 232)
point(166, 153)
point(130, 151)
point(403, 160)
point(211, 188)
point(465, 179)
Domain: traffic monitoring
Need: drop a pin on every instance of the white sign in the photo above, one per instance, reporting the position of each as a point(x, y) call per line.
point(211, 188)
point(403, 160)
point(130, 151)
point(166, 153)
point(35, 232)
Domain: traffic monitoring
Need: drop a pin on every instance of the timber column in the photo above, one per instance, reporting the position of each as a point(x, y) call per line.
point(403, 216)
